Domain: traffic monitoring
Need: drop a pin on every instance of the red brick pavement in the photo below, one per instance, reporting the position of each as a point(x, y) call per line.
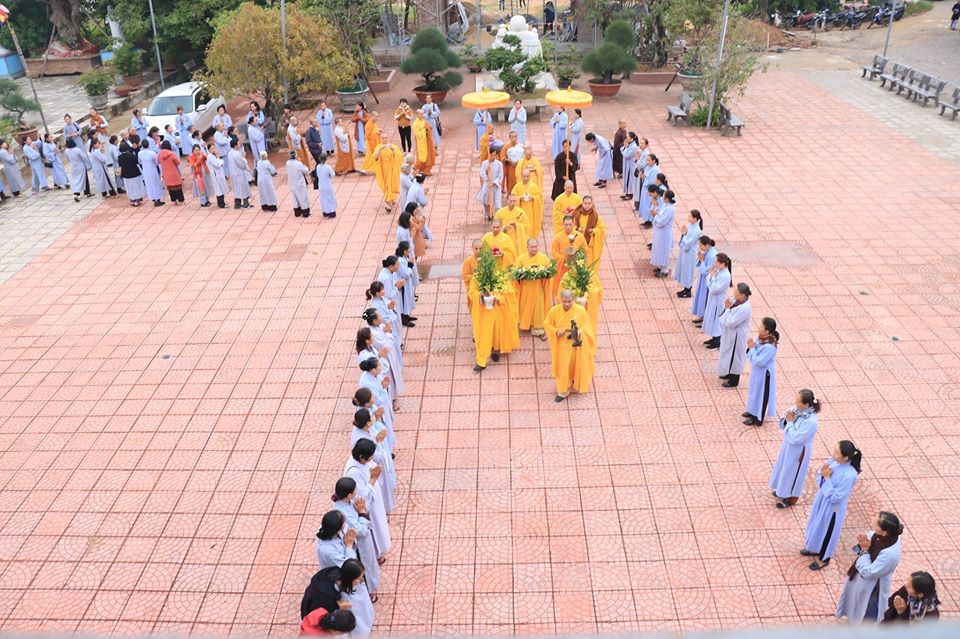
point(174, 384)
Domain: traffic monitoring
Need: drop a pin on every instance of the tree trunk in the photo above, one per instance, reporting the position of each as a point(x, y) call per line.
point(66, 16)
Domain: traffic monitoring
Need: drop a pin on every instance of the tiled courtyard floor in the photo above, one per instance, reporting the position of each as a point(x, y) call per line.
point(175, 383)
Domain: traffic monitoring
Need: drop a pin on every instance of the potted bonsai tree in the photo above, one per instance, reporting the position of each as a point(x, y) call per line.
point(16, 106)
point(126, 59)
point(613, 57)
point(567, 69)
point(513, 68)
point(434, 61)
point(471, 58)
point(96, 84)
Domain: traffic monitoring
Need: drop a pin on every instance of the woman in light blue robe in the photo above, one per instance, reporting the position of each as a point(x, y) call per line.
point(416, 194)
point(102, 173)
point(331, 549)
point(139, 124)
point(629, 152)
point(373, 379)
point(51, 155)
point(662, 241)
point(706, 256)
point(38, 175)
point(718, 281)
point(432, 113)
point(326, 197)
point(150, 169)
point(222, 117)
point(266, 192)
point(604, 151)
point(576, 135)
point(408, 303)
point(835, 482)
point(11, 169)
point(72, 131)
point(240, 176)
point(361, 116)
point(686, 265)
point(79, 180)
point(799, 425)
point(385, 299)
point(183, 124)
point(113, 155)
point(518, 121)
point(650, 171)
point(353, 587)
point(405, 183)
point(365, 426)
point(481, 120)
point(215, 164)
point(258, 143)
point(404, 235)
point(345, 493)
point(222, 140)
point(326, 121)
point(867, 588)
point(382, 340)
point(762, 390)
point(495, 178)
point(558, 122)
point(734, 322)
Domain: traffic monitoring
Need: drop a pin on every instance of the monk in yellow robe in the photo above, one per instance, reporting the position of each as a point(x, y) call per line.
point(486, 140)
point(565, 204)
point(572, 363)
point(565, 245)
point(426, 152)
point(509, 167)
point(372, 133)
point(594, 299)
point(494, 324)
point(532, 164)
point(530, 199)
point(533, 296)
point(468, 268)
point(387, 159)
point(515, 223)
point(588, 221)
point(501, 244)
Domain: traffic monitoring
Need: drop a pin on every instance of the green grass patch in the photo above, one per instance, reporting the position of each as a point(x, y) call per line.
point(917, 8)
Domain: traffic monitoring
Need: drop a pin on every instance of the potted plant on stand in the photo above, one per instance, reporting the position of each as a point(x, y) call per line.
point(613, 57)
point(96, 84)
point(471, 58)
point(16, 106)
point(126, 59)
point(567, 69)
point(432, 59)
point(489, 278)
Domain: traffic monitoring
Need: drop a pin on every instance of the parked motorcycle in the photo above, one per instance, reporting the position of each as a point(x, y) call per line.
point(823, 21)
point(802, 20)
point(851, 18)
point(882, 16)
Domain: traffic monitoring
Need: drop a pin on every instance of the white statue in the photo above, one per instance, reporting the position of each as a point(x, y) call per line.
point(529, 41)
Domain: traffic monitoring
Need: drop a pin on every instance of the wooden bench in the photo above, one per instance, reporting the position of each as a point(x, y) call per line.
point(682, 112)
point(914, 79)
point(900, 72)
point(876, 69)
point(728, 120)
point(953, 104)
point(929, 88)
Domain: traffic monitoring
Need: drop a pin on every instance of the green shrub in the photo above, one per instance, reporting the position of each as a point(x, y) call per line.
point(614, 56)
point(433, 60)
point(698, 117)
point(917, 8)
point(96, 81)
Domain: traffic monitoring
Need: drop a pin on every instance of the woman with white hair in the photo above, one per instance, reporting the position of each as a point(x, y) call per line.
point(266, 190)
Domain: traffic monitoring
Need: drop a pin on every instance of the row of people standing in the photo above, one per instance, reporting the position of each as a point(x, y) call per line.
point(726, 322)
point(354, 537)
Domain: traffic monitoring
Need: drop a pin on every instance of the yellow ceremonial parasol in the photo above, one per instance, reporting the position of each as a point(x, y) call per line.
point(483, 100)
point(569, 98)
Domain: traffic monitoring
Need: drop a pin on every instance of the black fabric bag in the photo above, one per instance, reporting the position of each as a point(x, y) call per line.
point(439, 127)
point(322, 592)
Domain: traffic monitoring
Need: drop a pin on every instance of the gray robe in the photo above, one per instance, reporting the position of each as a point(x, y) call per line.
point(265, 190)
point(11, 170)
point(735, 329)
point(328, 201)
point(150, 169)
point(78, 170)
point(215, 164)
point(102, 173)
point(240, 175)
point(297, 174)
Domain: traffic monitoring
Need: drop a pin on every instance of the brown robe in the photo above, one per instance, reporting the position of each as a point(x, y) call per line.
point(618, 139)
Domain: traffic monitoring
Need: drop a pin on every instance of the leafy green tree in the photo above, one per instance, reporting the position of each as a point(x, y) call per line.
point(247, 54)
point(354, 21)
point(504, 60)
point(614, 56)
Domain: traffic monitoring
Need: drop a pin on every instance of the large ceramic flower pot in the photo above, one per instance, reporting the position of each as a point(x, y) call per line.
point(133, 81)
point(602, 90)
point(21, 136)
point(98, 101)
point(351, 97)
point(691, 83)
point(422, 93)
